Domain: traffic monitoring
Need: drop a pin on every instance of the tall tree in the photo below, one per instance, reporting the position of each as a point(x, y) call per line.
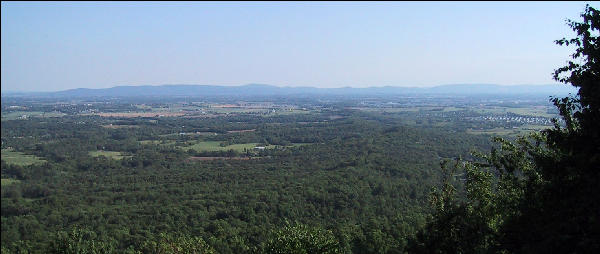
point(539, 194)
point(563, 214)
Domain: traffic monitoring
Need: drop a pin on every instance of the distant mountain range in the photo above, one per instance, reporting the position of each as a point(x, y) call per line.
point(269, 90)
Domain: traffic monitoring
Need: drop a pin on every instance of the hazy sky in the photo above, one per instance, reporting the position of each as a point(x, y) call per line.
point(57, 46)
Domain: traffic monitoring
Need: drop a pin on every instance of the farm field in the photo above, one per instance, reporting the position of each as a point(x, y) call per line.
point(115, 126)
point(409, 109)
point(539, 111)
point(214, 146)
point(141, 114)
point(108, 154)
point(532, 111)
point(188, 134)
point(197, 158)
point(18, 158)
point(522, 130)
point(26, 114)
point(210, 146)
point(8, 181)
point(158, 142)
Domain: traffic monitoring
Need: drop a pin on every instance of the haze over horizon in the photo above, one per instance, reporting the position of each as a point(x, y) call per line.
point(60, 46)
point(279, 86)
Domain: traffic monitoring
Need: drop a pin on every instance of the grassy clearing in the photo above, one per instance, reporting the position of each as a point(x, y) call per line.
point(539, 111)
point(26, 114)
point(18, 158)
point(509, 132)
point(212, 146)
point(143, 106)
point(236, 110)
point(149, 142)
point(7, 181)
point(108, 154)
point(241, 131)
point(298, 144)
point(495, 131)
point(449, 109)
point(158, 142)
point(388, 110)
point(533, 111)
point(530, 127)
point(291, 112)
point(204, 146)
point(189, 134)
point(111, 126)
point(171, 108)
point(140, 114)
point(215, 146)
point(209, 146)
point(410, 109)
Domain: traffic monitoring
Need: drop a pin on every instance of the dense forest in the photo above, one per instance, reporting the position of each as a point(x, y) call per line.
point(333, 180)
point(363, 178)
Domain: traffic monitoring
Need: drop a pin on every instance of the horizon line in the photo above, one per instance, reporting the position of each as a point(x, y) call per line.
point(279, 86)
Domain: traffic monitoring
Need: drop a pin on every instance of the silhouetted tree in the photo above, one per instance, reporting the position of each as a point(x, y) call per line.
point(540, 193)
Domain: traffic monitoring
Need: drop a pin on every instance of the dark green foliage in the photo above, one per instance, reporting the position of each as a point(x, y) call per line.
point(80, 241)
point(538, 194)
point(365, 177)
point(459, 227)
point(302, 239)
point(562, 214)
point(168, 244)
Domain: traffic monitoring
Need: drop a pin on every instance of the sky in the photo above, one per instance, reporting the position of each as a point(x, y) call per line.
point(51, 46)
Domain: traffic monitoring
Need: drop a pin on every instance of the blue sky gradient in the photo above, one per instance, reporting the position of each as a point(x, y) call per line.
point(58, 46)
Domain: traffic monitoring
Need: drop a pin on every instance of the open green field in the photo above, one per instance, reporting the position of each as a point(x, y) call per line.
point(532, 111)
point(509, 132)
point(236, 110)
point(185, 134)
point(495, 131)
point(216, 109)
point(291, 112)
point(167, 108)
point(108, 154)
point(209, 146)
point(388, 110)
point(203, 146)
point(179, 108)
point(18, 158)
point(7, 181)
point(157, 142)
point(410, 109)
point(540, 111)
point(25, 114)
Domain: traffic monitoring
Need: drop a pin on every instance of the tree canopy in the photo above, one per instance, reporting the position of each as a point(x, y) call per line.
point(538, 194)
